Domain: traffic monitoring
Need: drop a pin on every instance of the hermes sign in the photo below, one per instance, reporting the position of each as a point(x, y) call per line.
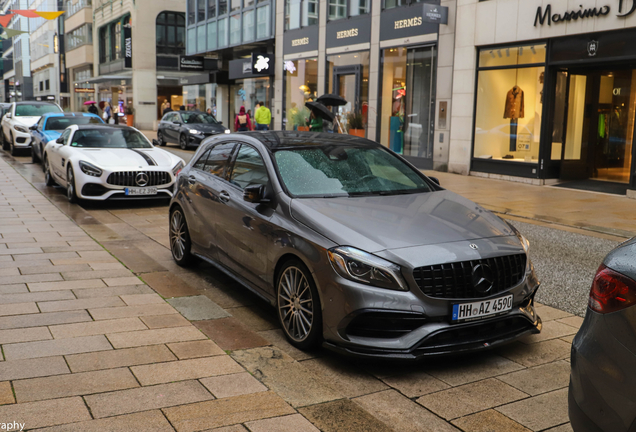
point(544, 16)
point(301, 40)
point(353, 31)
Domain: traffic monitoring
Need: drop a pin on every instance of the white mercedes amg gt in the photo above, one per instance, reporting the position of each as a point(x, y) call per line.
point(101, 162)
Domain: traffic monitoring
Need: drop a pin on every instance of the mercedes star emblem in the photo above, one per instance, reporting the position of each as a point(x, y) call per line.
point(474, 246)
point(483, 278)
point(142, 179)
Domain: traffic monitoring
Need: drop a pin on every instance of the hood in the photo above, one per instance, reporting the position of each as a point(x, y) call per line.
point(390, 222)
point(27, 121)
point(128, 159)
point(51, 135)
point(207, 127)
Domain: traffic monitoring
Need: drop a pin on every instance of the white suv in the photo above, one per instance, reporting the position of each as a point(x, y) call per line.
point(17, 121)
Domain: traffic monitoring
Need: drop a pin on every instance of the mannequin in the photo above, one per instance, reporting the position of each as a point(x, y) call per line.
point(514, 110)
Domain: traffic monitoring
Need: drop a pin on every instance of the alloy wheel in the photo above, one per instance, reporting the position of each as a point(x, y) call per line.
point(295, 304)
point(70, 186)
point(178, 235)
point(160, 139)
point(183, 143)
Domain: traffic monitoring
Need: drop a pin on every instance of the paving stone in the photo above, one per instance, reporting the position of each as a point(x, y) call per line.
point(290, 379)
point(488, 421)
point(34, 278)
point(6, 393)
point(27, 269)
point(65, 285)
point(165, 321)
point(13, 289)
point(290, 423)
point(131, 311)
point(65, 331)
point(76, 384)
point(23, 251)
point(168, 284)
point(119, 358)
point(228, 411)
point(230, 334)
point(463, 370)
point(142, 299)
point(24, 335)
point(106, 266)
point(147, 398)
point(195, 349)
point(401, 413)
point(122, 281)
point(198, 308)
point(343, 377)
point(537, 353)
point(12, 271)
point(36, 296)
point(25, 350)
point(46, 413)
point(45, 256)
point(182, 370)
point(147, 421)
point(18, 309)
point(32, 368)
point(113, 291)
point(540, 379)
point(548, 313)
point(233, 428)
point(278, 339)
point(343, 415)
point(415, 384)
point(470, 398)
point(258, 318)
point(154, 337)
point(96, 274)
point(539, 412)
point(563, 428)
point(65, 305)
point(573, 321)
point(43, 319)
point(550, 330)
point(233, 385)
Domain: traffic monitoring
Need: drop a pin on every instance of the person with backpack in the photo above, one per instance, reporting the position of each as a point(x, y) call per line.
point(242, 122)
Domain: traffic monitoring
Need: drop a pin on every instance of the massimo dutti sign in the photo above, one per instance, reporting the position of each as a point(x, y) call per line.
point(351, 31)
point(546, 15)
point(409, 21)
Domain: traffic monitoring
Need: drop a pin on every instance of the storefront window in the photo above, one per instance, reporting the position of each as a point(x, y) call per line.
point(246, 93)
point(235, 29)
point(200, 97)
point(83, 91)
point(301, 85)
point(337, 9)
point(408, 100)
point(223, 32)
point(262, 22)
point(509, 103)
point(212, 36)
point(248, 25)
point(349, 78)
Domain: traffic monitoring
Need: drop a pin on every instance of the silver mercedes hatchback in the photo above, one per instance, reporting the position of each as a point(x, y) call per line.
point(355, 248)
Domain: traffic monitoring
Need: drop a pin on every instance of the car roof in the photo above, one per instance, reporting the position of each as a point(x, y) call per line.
point(33, 103)
point(69, 114)
point(275, 140)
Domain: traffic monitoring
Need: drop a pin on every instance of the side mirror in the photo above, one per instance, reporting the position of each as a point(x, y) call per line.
point(220, 122)
point(255, 194)
point(177, 123)
point(435, 180)
point(60, 140)
point(8, 115)
point(34, 127)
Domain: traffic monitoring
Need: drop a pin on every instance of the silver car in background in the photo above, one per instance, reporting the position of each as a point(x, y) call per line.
point(356, 248)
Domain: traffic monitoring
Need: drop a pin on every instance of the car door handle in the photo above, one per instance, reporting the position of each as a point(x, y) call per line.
point(224, 196)
point(192, 180)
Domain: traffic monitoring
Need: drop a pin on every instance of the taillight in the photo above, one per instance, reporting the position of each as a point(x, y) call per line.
point(611, 291)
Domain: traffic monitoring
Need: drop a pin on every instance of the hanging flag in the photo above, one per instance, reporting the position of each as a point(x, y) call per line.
point(28, 13)
point(50, 15)
point(11, 32)
point(5, 19)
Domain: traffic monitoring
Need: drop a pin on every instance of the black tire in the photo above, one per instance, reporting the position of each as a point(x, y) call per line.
point(183, 142)
point(14, 151)
point(48, 178)
point(5, 143)
point(71, 193)
point(294, 309)
point(34, 156)
point(180, 244)
point(160, 139)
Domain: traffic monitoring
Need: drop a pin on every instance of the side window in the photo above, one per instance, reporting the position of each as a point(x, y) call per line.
point(176, 118)
point(41, 123)
point(218, 159)
point(66, 135)
point(201, 162)
point(249, 168)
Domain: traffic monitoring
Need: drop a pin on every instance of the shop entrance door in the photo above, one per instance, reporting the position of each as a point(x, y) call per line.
point(346, 83)
point(599, 125)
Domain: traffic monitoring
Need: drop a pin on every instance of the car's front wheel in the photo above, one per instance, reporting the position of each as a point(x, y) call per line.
point(183, 142)
point(5, 143)
point(34, 156)
point(298, 305)
point(160, 139)
point(71, 193)
point(14, 150)
point(180, 244)
point(48, 178)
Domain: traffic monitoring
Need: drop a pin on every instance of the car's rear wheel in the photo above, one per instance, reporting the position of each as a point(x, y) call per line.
point(48, 178)
point(5, 143)
point(71, 193)
point(298, 305)
point(183, 142)
point(160, 139)
point(180, 244)
point(34, 156)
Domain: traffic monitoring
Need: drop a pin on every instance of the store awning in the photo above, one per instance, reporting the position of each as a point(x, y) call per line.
point(104, 78)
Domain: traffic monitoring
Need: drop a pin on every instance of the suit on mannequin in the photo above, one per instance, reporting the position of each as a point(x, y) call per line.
point(514, 110)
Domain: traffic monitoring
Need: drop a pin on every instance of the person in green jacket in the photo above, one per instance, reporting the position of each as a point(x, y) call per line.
point(262, 116)
point(315, 123)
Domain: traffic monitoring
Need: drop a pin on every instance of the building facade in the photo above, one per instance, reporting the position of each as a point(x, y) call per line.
point(545, 92)
point(77, 57)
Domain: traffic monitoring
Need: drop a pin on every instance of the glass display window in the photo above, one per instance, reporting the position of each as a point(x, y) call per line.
point(301, 86)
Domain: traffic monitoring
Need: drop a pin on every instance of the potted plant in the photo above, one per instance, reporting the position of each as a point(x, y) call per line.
point(299, 118)
point(130, 115)
point(355, 124)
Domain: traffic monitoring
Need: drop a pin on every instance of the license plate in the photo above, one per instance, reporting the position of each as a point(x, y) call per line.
point(463, 312)
point(141, 191)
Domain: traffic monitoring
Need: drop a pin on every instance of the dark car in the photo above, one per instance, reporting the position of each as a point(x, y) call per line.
point(51, 126)
point(354, 246)
point(602, 393)
point(188, 128)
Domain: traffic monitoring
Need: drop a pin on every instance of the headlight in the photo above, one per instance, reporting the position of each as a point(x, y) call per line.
point(90, 169)
point(177, 168)
point(360, 266)
point(194, 132)
point(21, 129)
point(227, 131)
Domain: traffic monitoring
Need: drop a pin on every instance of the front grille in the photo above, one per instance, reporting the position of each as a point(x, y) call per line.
point(127, 178)
point(455, 280)
point(385, 324)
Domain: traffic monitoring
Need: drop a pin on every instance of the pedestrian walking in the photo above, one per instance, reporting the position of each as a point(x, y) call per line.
point(262, 117)
point(242, 121)
point(108, 112)
point(93, 109)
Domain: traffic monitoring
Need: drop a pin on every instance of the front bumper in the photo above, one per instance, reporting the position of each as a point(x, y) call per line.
point(98, 189)
point(21, 139)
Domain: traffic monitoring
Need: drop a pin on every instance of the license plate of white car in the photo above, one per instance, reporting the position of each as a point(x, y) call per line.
point(141, 191)
point(463, 312)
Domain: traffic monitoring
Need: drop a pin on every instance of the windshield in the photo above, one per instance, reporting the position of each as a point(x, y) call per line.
point(331, 171)
point(109, 138)
point(198, 118)
point(35, 110)
point(61, 123)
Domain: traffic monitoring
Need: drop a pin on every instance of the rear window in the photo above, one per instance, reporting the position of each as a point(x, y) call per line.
point(36, 110)
point(61, 123)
